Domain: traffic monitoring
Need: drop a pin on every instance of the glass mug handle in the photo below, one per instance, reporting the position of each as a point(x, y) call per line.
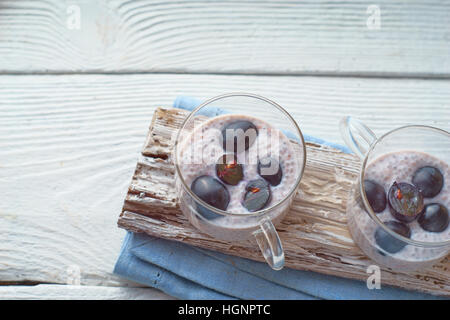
point(270, 244)
point(356, 135)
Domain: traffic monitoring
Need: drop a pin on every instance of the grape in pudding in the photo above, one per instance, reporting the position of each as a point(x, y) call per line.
point(375, 195)
point(213, 192)
point(405, 201)
point(270, 169)
point(201, 153)
point(429, 180)
point(387, 242)
point(257, 195)
point(232, 131)
point(228, 170)
point(434, 218)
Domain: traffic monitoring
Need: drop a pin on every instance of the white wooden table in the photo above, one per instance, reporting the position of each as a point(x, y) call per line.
point(79, 81)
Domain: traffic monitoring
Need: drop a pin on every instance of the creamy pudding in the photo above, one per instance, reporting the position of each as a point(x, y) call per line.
point(238, 164)
point(410, 193)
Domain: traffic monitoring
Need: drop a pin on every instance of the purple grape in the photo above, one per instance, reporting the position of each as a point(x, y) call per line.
point(257, 195)
point(375, 195)
point(270, 169)
point(405, 201)
point(389, 243)
point(429, 180)
point(228, 170)
point(434, 218)
point(213, 192)
point(233, 132)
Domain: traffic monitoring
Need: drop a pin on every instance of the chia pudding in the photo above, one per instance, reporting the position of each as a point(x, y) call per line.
point(238, 164)
point(409, 192)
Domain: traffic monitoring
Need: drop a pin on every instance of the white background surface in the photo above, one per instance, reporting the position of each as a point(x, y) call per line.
point(75, 105)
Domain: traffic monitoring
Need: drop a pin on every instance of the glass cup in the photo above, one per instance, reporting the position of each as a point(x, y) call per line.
point(414, 145)
point(239, 226)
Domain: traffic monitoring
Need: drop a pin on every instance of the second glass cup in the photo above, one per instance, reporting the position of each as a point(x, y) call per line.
point(239, 160)
point(398, 208)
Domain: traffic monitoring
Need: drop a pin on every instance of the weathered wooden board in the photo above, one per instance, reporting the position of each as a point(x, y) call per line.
point(260, 37)
point(62, 136)
point(314, 233)
point(71, 292)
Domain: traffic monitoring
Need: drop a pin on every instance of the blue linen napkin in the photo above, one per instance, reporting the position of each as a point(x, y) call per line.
point(188, 272)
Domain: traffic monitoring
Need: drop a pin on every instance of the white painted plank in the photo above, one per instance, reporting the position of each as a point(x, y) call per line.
point(71, 292)
point(69, 144)
point(294, 37)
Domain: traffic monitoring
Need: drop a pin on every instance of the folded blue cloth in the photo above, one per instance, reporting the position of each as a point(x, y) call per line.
point(187, 272)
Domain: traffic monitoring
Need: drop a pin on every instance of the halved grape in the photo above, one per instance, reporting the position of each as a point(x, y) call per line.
point(405, 201)
point(257, 195)
point(228, 170)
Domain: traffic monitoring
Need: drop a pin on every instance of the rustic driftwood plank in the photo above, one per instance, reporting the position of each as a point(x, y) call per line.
point(314, 233)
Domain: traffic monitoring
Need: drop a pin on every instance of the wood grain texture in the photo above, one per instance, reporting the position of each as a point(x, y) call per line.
point(277, 37)
point(71, 292)
point(314, 233)
point(63, 136)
